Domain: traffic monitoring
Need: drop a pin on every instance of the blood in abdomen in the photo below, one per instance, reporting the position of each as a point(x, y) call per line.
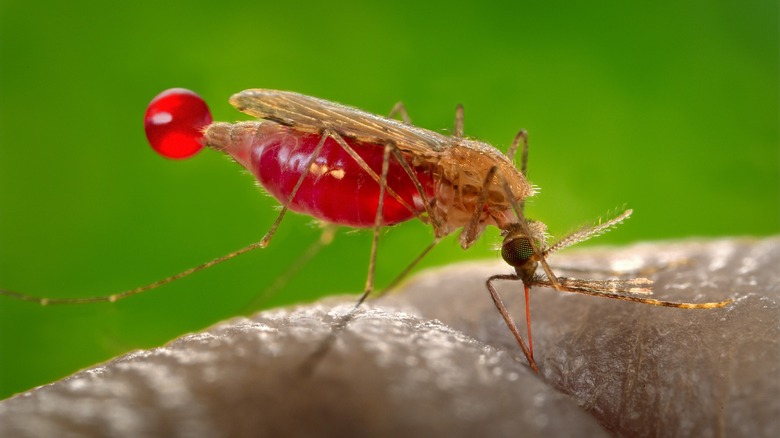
point(336, 189)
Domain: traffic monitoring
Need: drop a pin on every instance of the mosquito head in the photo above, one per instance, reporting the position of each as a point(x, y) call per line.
point(517, 250)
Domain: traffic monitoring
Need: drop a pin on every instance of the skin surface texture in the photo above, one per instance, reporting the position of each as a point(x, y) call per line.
point(435, 358)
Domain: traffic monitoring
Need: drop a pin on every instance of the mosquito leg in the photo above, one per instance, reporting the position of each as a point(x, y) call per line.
point(426, 202)
point(308, 366)
point(399, 109)
point(315, 153)
point(315, 357)
point(124, 294)
point(458, 132)
point(405, 165)
point(520, 138)
point(507, 318)
point(261, 244)
point(377, 222)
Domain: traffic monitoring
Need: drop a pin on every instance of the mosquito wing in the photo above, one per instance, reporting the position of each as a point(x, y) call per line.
point(310, 114)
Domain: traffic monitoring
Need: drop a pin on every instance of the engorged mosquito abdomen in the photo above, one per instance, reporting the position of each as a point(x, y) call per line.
point(336, 189)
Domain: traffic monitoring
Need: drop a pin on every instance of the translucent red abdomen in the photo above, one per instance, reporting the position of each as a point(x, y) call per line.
point(336, 188)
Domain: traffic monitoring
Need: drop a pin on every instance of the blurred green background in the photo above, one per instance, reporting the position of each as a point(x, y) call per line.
point(668, 107)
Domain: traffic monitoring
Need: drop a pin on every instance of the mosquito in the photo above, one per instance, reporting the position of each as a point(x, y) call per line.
point(348, 167)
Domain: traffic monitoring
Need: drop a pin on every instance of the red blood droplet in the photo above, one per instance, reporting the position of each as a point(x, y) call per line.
point(174, 122)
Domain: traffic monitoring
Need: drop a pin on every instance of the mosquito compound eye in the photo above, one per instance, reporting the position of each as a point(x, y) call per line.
point(517, 251)
point(174, 122)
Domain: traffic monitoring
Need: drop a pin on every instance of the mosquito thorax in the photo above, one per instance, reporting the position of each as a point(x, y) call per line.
point(174, 123)
point(517, 250)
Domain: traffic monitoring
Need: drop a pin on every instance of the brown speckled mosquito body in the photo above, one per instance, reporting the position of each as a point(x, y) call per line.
point(450, 182)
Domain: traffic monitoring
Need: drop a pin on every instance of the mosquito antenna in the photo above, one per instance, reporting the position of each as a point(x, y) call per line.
point(588, 232)
point(124, 294)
